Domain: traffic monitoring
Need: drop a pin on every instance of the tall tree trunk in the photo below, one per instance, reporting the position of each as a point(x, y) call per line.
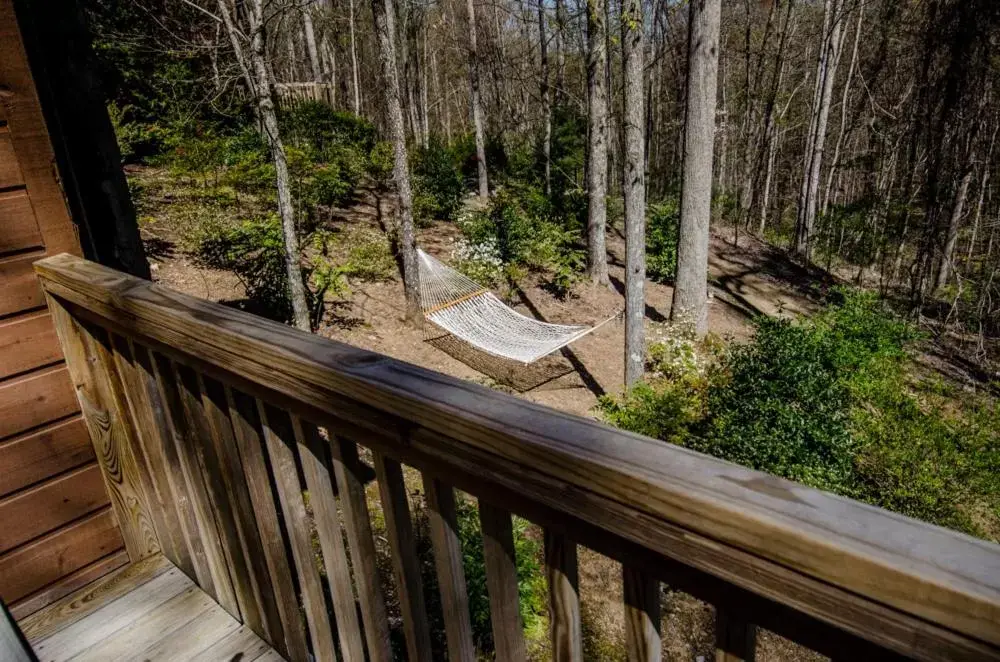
point(690, 304)
point(263, 87)
point(560, 41)
point(597, 165)
point(310, 39)
point(385, 32)
point(634, 184)
point(476, 101)
point(835, 162)
point(826, 71)
point(544, 94)
point(354, 59)
point(957, 208)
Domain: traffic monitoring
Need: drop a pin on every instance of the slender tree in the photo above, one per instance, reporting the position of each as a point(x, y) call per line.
point(475, 99)
point(690, 303)
point(309, 32)
point(597, 167)
point(253, 62)
point(634, 186)
point(544, 95)
point(385, 31)
point(355, 75)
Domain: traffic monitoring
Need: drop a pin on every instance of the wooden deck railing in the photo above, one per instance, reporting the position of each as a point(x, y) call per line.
point(211, 423)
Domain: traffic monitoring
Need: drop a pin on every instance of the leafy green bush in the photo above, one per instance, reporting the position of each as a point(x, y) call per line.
point(662, 226)
point(437, 182)
point(319, 127)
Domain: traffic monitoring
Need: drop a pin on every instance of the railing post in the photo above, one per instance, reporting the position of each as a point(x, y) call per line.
point(102, 400)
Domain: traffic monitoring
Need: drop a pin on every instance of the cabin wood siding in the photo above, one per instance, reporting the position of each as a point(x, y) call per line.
point(57, 526)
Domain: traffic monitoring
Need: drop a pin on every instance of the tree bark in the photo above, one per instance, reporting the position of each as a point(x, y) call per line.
point(543, 93)
point(263, 87)
point(690, 303)
point(597, 166)
point(634, 185)
point(310, 39)
point(476, 101)
point(948, 253)
point(354, 59)
point(385, 32)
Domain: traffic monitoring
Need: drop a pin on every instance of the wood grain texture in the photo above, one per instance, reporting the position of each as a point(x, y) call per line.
point(212, 574)
point(18, 230)
point(69, 584)
point(347, 466)
point(75, 607)
point(564, 597)
point(443, 524)
point(405, 562)
point(905, 581)
point(102, 400)
point(501, 582)
point(27, 342)
point(249, 439)
point(735, 639)
point(35, 399)
point(49, 558)
point(10, 171)
point(21, 290)
point(241, 645)
point(280, 439)
point(152, 433)
point(51, 504)
point(44, 452)
point(642, 616)
point(319, 482)
point(203, 448)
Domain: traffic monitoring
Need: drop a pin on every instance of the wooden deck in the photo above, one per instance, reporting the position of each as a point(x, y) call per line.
point(146, 611)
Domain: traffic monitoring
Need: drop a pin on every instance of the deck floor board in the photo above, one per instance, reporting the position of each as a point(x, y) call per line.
point(151, 613)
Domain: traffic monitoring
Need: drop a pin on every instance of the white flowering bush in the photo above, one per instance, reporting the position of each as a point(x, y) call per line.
point(675, 353)
point(480, 261)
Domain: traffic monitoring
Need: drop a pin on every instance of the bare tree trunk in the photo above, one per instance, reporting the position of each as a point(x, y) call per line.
point(560, 41)
point(354, 59)
point(843, 108)
point(476, 101)
point(263, 88)
point(310, 39)
point(826, 71)
point(385, 31)
point(634, 184)
point(957, 208)
point(597, 166)
point(544, 94)
point(690, 304)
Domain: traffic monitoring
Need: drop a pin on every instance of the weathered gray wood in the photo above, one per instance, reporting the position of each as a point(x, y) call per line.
point(102, 400)
point(501, 582)
point(359, 535)
point(564, 597)
point(319, 482)
point(249, 439)
point(899, 583)
point(13, 646)
point(735, 639)
point(405, 563)
point(450, 573)
point(217, 581)
point(280, 438)
point(642, 616)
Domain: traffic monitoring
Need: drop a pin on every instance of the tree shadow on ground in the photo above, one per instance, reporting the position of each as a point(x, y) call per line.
point(651, 313)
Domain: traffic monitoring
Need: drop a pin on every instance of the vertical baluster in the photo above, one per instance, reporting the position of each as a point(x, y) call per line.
point(450, 573)
point(564, 598)
point(642, 616)
point(735, 639)
point(249, 439)
point(312, 453)
point(220, 585)
point(171, 464)
point(151, 435)
point(501, 582)
point(280, 438)
point(102, 401)
point(359, 534)
point(224, 460)
point(405, 563)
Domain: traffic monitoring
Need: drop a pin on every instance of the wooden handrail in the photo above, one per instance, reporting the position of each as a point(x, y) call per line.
point(767, 551)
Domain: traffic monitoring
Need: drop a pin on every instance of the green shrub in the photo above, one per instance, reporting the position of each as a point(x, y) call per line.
point(317, 126)
point(662, 226)
point(437, 182)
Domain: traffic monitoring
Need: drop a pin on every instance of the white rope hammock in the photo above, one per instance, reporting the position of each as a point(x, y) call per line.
point(471, 312)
